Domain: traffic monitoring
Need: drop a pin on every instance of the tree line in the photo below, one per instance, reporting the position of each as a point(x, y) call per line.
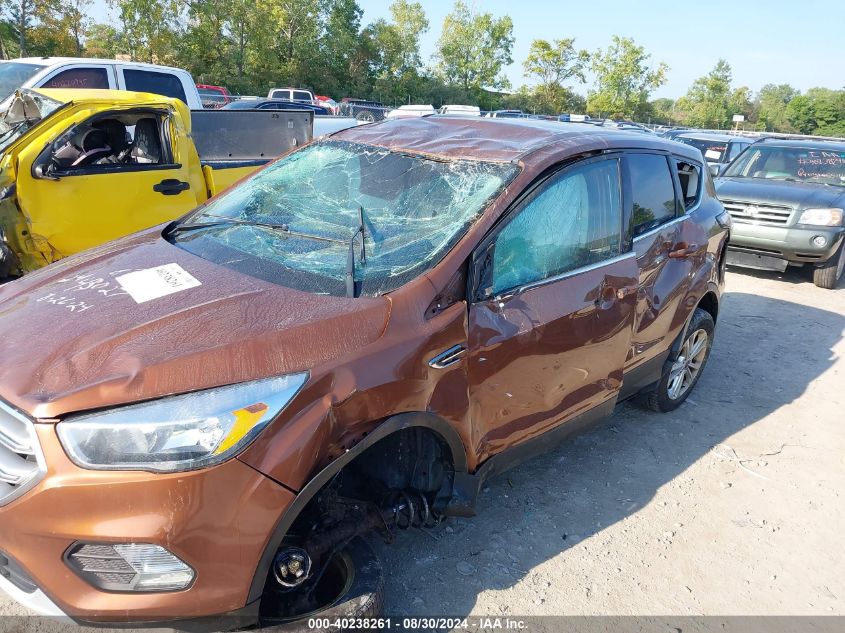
point(250, 46)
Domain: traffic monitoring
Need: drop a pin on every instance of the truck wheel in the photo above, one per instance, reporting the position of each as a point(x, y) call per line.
point(366, 116)
point(828, 274)
point(684, 371)
point(352, 586)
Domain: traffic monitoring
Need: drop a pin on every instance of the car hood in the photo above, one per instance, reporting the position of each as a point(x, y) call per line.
point(800, 195)
point(72, 338)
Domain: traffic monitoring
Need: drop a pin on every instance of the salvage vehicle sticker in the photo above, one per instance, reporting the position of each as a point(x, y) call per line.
point(152, 283)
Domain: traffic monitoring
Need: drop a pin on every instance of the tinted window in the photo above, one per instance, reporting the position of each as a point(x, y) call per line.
point(154, 82)
point(652, 191)
point(573, 222)
point(79, 78)
point(280, 94)
point(299, 95)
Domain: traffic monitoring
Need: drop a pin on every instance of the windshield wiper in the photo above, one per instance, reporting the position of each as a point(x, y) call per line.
point(277, 227)
point(350, 258)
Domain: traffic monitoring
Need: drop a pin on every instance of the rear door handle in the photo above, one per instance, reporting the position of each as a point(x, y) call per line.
point(171, 187)
point(683, 250)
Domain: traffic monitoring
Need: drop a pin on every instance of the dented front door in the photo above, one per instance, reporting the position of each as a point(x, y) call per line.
point(550, 340)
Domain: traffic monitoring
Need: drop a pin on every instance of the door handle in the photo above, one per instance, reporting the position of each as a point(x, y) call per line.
point(682, 250)
point(607, 295)
point(449, 357)
point(171, 186)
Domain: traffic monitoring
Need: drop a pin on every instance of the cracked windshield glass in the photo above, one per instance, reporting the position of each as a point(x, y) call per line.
point(298, 223)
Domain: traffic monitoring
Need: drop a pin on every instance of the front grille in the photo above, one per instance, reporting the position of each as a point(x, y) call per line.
point(748, 213)
point(21, 462)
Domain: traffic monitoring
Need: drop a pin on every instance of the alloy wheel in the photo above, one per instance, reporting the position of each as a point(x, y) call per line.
point(686, 368)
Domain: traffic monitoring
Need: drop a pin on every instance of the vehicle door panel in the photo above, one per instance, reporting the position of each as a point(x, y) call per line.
point(545, 355)
point(549, 339)
point(667, 256)
point(91, 206)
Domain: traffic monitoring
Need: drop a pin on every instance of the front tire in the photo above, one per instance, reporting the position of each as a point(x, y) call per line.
point(684, 369)
point(829, 273)
point(355, 591)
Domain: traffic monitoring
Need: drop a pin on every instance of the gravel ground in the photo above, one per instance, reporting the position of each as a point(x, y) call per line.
point(730, 505)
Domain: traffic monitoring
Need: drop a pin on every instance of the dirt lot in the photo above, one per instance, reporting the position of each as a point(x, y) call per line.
point(730, 505)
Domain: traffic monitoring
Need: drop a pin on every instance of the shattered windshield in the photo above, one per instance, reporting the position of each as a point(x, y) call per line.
point(803, 164)
point(294, 221)
point(12, 128)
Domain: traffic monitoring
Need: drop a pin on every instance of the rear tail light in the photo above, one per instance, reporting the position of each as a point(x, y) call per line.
point(129, 567)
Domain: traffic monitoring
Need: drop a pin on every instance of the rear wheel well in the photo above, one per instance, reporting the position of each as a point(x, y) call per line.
point(710, 304)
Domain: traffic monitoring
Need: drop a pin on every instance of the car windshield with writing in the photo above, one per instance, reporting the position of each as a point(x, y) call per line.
point(804, 164)
point(299, 222)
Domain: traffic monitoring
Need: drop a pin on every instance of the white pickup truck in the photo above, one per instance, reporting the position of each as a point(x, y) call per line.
point(81, 72)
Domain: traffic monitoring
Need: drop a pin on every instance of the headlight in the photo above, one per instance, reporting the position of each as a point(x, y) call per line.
point(180, 432)
point(821, 217)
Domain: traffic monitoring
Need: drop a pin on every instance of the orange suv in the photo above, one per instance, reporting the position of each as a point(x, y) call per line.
point(202, 419)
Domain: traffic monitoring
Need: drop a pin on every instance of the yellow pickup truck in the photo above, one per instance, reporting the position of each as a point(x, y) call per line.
point(82, 167)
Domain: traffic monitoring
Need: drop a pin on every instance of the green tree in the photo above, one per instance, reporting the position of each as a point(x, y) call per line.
point(707, 102)
point(624, 79)
point(149, 28)
point(662, 110)
point(340, 46)
point(801, 114)
point(773, 101)
point(473, 48)
point(103, 40)
point(553, 64)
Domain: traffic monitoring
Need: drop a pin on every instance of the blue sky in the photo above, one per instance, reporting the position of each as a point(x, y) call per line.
point(771, 41)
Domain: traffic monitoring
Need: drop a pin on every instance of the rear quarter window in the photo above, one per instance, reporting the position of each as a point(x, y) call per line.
point(155, 82)
point(91, 78)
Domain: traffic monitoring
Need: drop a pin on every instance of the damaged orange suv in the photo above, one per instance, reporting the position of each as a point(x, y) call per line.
point(204, 418)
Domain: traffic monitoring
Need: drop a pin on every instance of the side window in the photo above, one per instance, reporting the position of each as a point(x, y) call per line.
point(110, 143)
point(574, 221)
point(280, 94)
point(79, 78)
point(155, 82)
point(652, 190)
point(299, 95)
point(689, 176)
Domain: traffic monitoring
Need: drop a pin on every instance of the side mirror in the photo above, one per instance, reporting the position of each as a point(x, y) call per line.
point(714, 169)
point(42, 172)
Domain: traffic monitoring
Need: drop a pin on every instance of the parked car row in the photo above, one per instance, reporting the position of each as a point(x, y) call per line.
point(786, 195)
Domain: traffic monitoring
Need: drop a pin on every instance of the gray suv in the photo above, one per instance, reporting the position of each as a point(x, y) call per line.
point(787, 200)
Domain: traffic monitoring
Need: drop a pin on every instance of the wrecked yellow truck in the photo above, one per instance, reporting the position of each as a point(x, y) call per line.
point(81, 167)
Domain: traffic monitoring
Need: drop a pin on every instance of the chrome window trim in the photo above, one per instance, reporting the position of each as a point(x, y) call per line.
point(41, 471)
point(650, 232)
point(565, 275)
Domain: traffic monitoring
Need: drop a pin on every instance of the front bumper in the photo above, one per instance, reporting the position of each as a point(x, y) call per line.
point(218, 520)
point(793, 244)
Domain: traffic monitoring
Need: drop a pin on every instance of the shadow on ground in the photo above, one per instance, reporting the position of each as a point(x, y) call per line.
point(546, 506)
